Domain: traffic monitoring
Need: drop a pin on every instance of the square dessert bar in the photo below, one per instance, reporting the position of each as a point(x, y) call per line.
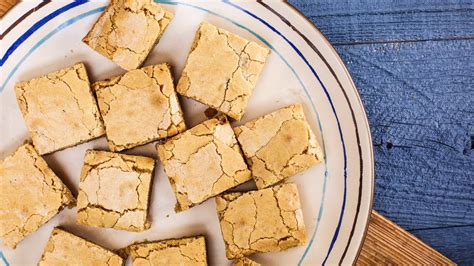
point(114, 190)
point(244, 261)
point(184, 251)
point(278, 145)
point(128, 30)
point(59, 109)
point(222, 69)
point(260, 221)
point(140, 106)
point(203, 162)
point(64, 248)
point(31, 194)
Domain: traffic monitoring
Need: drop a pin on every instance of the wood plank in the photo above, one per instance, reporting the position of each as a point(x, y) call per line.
point(5, 5)
point(456, 243)
point(353, 22)
point(419, 100)
point(387, 243)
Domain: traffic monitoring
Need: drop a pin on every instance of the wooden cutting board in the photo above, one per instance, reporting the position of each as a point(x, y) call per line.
point(5, 5)
point(387, 243)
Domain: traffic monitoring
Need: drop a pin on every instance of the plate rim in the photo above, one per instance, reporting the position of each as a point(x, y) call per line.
point(366, 120)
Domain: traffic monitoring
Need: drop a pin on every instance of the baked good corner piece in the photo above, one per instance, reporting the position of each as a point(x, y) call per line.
point(114, 190)
point(127, 31)
point(278, 145)
point(139, 107)
point(31, 194)
point(222, 70)
point(59, 109)
point(64, 248)
point(184, 251)
point(244, 261)
point(260, 221)
point(202, 162)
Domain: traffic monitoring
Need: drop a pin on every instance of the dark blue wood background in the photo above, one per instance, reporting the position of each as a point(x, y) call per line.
point(413, 63)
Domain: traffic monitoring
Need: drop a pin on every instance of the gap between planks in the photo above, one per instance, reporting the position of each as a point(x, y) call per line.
point(388, 244)
point(385, 243)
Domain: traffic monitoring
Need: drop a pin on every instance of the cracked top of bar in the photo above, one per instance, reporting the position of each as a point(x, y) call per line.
point(128, 30)
point(278, 145)
point(203, 162)
point(31, 194)
point(222, 70)
point(59, 109)
point(114, 190)
point(260, 221)
point(244, 261)
point(184, 251)
point(64, 248)
point(140, 106)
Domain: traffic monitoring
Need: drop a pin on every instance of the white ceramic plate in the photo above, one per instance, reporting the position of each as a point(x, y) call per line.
point(40, 37)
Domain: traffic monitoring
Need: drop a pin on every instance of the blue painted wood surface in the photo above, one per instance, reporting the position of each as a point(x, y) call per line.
point(413, 63)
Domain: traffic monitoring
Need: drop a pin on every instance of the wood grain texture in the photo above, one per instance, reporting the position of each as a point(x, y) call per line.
point(388, 244)
point(420, 107)
point(413, 63)
point(5, 5)
point(355, 22)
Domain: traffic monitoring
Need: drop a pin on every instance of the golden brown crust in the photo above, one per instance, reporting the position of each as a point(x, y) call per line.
point(278, 145)
point(59, 109)
point(128, 30)
point(203, 162)
point(64, 248)
point(184, 251)
point(244, 261)
point(222, 70)
point(31, 194)
point(114, 190)
point(260, 221)
point(139, 107)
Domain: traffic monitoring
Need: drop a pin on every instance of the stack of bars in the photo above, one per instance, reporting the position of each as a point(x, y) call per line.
point(62, 109)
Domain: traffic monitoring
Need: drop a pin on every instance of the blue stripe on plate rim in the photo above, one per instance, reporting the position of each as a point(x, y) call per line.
point(336, 233)
point(36, 26)
point(65, 8)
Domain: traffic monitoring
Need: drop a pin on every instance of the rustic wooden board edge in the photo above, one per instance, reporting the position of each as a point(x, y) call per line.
point(6, 5)
point(387, 243)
